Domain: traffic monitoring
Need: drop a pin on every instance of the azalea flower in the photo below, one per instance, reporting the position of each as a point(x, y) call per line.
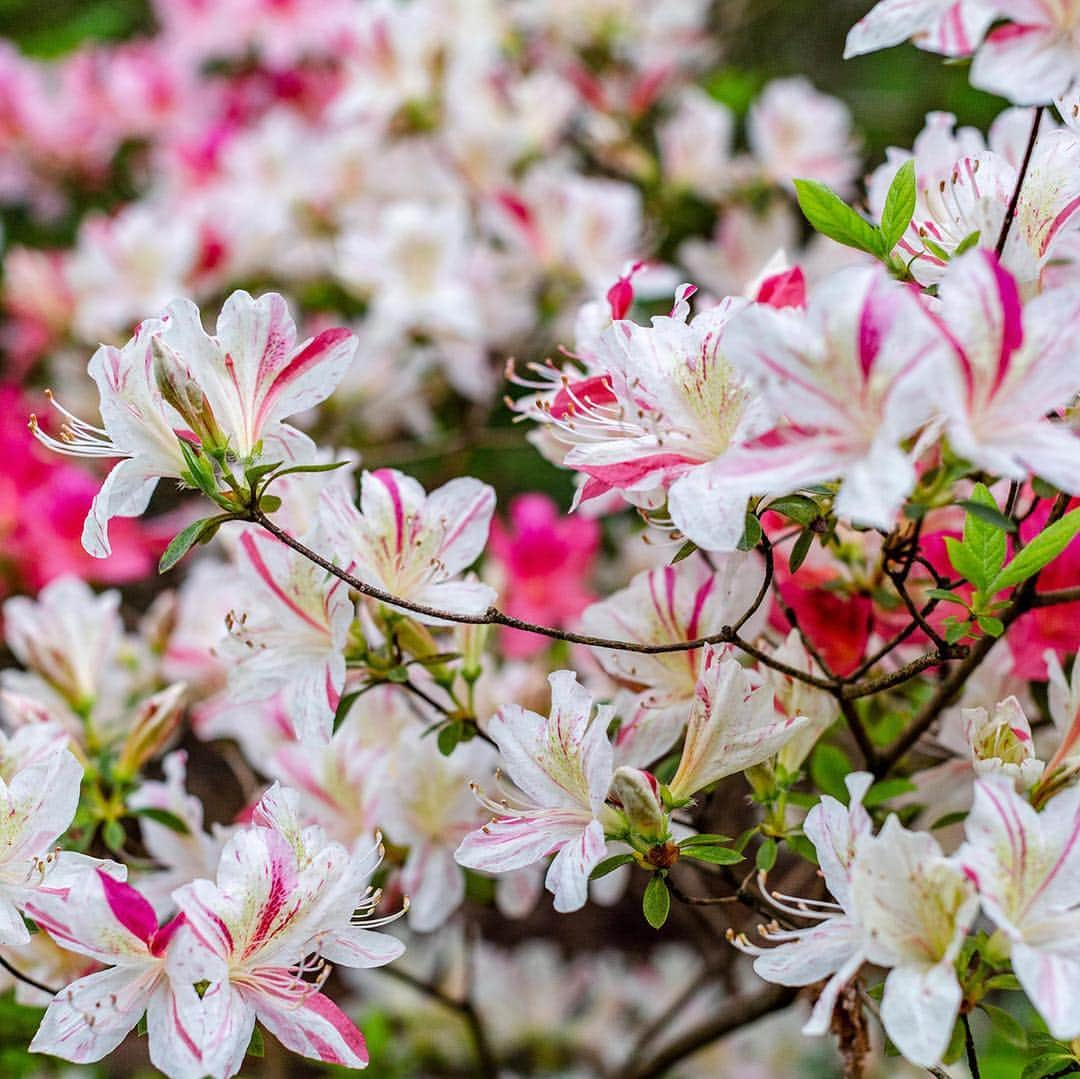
point(1009, 365)
point(412, 544)
point(67, 635)
point(431, 811)
point(964, 190)
point(227, 393)
point(282, 893)
point(733, 725)
point(542, 563)
point(1000, 741)
point(849, 377)
point(39, 793)
point(900, 904)
point(109, 921)
point(563, 765)
point(1031, 58)
point(291, 633)
point(1026, 866)
point(950, 27)
point(679, 602)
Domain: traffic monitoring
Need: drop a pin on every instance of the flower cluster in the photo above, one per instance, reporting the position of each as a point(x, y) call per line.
point(804, 651)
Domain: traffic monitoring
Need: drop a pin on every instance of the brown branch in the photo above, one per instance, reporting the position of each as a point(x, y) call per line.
point(19, 976)
point(859, 732)
point(726, 635)
point(739, 1012)
point(494, 617)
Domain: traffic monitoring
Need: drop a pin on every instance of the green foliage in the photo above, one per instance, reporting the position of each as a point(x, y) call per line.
point(656, 902)
point(832, 217)
point(899, 205)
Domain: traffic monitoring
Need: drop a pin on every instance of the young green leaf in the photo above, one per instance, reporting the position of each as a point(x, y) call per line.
point(713, 855)
point(832, 217)
point(182, 542)
point(798, 508)
point(164, 817)
point(967, 243)
point(656, 902)
point(966, 563)
point(899, 205)
point(1040, 552)
point(609, 865)
point(765, 858)
point(685, 551)
point(751, 536)
point(800, 549)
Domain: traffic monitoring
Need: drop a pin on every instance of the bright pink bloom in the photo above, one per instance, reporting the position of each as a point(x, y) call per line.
point(546, 559)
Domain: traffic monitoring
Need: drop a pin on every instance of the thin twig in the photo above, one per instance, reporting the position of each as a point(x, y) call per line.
point(1006, 225)
point(18, 974)
point(969, 1047)
point(739, 1012)
point(726, 634)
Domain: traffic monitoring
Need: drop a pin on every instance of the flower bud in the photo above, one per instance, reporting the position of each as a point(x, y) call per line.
point(1001, 742)
point(637, 794)
point(472, 642)
point(179, 388)
point(155, 721)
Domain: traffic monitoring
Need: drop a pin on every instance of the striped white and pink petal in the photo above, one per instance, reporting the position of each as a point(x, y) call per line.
point(253, 372)
point(414, 544)
point(950, 27)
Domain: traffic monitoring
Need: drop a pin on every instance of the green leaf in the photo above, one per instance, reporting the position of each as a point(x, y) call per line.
point(751, 536)
point(798, 508)
point(656, 902)
point(1050, 1064)
point(114, 836)
point(829, 765)
point(935, 249)
point(713, 855)
point(609, 865)
point(255, 473)
point(448, 738)
point(269, 503)
point(292, 470)
point(1041, 551)
point(182, 542)
point(984, 508)
point(832, 217)
point(800, 549)
point(899, 205)
point(685, 551)
point(765, 858)
point(966, 563)
point(949, 819)
point(1006, 1025)
point(967, 243)
point(1004, 981)
point(992, 627)
point(199, 469)
point(886, 789)
point(256, 1048)
point(705, 839)
point(163, 816)
point(946, 596)
point(1043, 489)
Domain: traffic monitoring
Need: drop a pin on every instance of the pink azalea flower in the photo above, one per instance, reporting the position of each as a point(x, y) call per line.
point(291, 633)
point(950, 27)
point(545, 561)
point(672, 603)
point(1008, 365)
point(172, 380)
point(849, 377)
point(413, 544)
point(563, 766)
point(100, 917)
point(283, 892)
point(1026, 866)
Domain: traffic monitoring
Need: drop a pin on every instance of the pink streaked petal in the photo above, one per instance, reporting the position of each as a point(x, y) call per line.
point(315, 1027)
point(129, 908)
